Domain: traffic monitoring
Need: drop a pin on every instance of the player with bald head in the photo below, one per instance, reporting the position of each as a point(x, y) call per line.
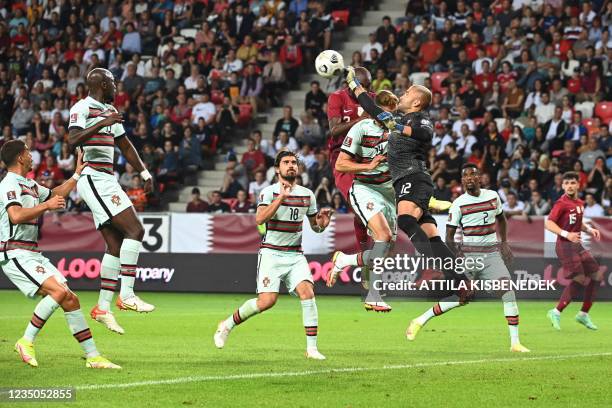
point(343, 111)
point(408, 149)
point(96, 127)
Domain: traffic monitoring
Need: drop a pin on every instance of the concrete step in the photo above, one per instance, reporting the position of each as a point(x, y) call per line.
point(374, 18)
point(185, 194)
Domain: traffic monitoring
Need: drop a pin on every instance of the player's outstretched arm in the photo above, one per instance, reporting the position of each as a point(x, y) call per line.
point(19, 215)
point(78, 135)
point(366, 101)
point(132, 157)
point(67, 186)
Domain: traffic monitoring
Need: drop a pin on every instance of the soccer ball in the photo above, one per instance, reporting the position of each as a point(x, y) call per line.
point(329, 63)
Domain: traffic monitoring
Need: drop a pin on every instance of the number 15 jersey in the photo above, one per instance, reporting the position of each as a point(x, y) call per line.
point(284, 230)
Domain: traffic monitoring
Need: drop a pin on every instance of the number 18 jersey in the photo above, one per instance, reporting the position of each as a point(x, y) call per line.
point(284, 230)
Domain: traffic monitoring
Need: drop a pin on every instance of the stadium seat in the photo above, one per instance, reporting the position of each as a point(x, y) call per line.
point(341, 18)
point(437, 78)
point(188, 32)
point(586, 108)
point(246, 113)
point(603, 110)
point(418, 78)
point(216, 96)
point(179, 40)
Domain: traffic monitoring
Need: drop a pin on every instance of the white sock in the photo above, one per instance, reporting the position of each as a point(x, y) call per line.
point(556, 311)
point(512, 316)
point(128, 254)
point(44, 309)
point(581, 313)
point(248, 309)
point(439, 308)
point(109, 273)
point(310, 318)
point(80, 331)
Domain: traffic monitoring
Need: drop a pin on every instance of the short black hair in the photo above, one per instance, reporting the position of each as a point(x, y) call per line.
point(571, 175)
point(11, 150)
point(281, 155)
point(195, 190)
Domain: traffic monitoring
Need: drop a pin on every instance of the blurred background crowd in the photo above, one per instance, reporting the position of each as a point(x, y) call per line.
point(521, 88)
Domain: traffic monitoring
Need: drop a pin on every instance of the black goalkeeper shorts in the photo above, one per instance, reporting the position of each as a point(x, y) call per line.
point(419, 189)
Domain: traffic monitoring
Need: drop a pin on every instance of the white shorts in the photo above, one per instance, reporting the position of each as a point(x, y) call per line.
point(494, 267)
point(103, 195)
point(28, 272)
point(274, 267)
point(369, 200)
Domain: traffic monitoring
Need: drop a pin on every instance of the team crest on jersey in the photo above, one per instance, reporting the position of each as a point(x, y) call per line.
point(11, 195)
point(370, 206)
point(348, 141)
point(450, 217)
point(261, 197)
point(40, 269)
point(116, 200)
point(73, 117)
point(266, 282)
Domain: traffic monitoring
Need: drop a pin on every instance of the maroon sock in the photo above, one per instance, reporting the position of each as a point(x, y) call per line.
point(568, 294)
point(589, 294)
point(361, 233)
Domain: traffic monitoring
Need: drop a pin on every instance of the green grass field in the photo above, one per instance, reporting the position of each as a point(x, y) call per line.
point(459, 359)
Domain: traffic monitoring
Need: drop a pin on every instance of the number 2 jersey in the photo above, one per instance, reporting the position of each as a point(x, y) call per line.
point(476, 217)
point(99, 150)
point(26, 193)
point(284, 229)
point(365, 141)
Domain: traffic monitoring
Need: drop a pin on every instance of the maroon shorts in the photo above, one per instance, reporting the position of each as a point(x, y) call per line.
point(343, 181)
point(577, 262)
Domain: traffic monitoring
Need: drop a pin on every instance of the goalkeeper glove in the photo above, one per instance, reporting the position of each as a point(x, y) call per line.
point(351, 80)
point(387, 119)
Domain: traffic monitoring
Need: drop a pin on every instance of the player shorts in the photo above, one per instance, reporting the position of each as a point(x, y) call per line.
point(28, 272)
point(343, 182)
point(369, 200)
point(416, 187)
point(576, 261)
point(274, 267)
point(103, 195)
point(491, 267)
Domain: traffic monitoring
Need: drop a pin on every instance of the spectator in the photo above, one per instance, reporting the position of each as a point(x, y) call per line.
point(545, 110)
point(22, 117)
point(253, 159)
point(132, 43)
point(243, 205)
point(441, 191)
point(592, 208)
point(252, 86)
point(323, 193)
point(204, 109)
point(309, 131)
point(190, 154)
point(513, 206)
point(287, 123)
point(125, 180)
point(590, 154)
point(291, 57)
point(256, 186)
point(315, 100)
point(169, 169)
point(286, 142)
point(217, 206)
point(537, 205)
point(136, 194)
point(372, 44)
point(196, 205)
point(274, 78)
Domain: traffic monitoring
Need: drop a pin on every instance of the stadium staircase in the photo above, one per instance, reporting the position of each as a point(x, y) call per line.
point(352, 40)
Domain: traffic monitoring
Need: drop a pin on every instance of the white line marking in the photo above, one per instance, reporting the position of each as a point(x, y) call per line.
point(192, 379)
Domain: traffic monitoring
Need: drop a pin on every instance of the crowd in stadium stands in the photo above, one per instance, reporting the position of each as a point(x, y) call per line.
point(519, 88)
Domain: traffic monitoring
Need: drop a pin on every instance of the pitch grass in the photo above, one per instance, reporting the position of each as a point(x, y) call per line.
point(175, 342)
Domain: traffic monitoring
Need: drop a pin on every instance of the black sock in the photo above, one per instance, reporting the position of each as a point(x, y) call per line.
point(411, 227)
point(441, 250)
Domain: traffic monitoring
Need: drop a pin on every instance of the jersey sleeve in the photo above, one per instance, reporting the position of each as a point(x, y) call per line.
point(556, 213)
point(312, 209)
point(266, 196)
point(499, 206)
point(117, 129)
point(454, 215)
point(352, 142)
point(43, 193)
point(10, 193)
point(334, 106)
point(78, 116)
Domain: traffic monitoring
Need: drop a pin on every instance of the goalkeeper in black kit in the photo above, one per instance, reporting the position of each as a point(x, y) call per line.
point(411, 132)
